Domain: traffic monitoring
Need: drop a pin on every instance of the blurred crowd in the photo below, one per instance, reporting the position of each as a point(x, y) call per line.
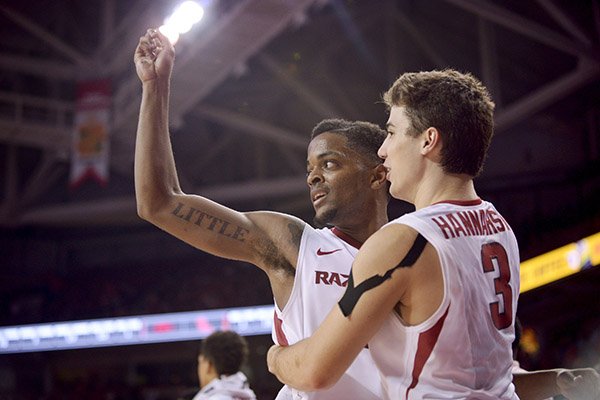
point(132, 290)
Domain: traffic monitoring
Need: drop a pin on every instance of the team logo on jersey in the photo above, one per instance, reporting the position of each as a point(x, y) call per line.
point(324, 253)
point(331, 278)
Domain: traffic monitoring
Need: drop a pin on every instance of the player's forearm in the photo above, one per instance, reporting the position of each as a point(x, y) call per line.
point(154, 168)
point(298, 367)
point(536, 385)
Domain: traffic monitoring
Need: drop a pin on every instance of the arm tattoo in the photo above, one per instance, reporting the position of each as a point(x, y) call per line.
point(209, 222)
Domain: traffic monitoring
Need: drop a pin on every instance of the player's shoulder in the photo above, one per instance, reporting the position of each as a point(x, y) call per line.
point(396, 231)
point(275, 216)
point(391, 253)
point(390, 244)
point(277, 224)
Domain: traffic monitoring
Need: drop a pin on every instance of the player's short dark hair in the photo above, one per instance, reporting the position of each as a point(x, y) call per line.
point(364, 137)
point(226, 350)
point(457, 105)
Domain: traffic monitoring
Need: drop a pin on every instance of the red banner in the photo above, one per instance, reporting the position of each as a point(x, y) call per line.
point(90, 142)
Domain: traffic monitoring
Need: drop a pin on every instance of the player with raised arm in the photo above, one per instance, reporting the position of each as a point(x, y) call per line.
point(306, 267)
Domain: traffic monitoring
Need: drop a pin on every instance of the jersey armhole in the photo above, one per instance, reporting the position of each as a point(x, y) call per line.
point(298, 272)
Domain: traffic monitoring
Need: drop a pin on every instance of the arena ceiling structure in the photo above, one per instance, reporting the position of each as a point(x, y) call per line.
point(254, 77)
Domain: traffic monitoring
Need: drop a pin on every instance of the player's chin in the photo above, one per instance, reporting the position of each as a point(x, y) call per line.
point(395, 192)
point(324, 216)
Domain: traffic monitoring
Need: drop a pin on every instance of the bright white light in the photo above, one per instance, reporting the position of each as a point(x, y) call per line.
point(185, 16)
point(181, 21)
point(170, 33)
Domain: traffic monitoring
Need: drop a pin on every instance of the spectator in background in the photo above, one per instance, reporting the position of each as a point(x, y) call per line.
point(221, 357)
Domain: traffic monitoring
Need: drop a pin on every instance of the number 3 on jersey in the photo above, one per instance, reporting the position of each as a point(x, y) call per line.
point(492, 255)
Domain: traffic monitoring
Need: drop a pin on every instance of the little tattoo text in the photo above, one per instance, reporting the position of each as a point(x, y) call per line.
point(210, 222)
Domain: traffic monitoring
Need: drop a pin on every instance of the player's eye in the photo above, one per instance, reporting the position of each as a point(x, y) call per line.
point(330, 164)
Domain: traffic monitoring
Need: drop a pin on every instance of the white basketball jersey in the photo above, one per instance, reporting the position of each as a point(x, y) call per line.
point(324, 261)
point(464, 350)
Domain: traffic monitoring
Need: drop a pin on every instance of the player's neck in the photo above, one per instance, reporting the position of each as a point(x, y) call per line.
point(362, 229)
point(445, 187)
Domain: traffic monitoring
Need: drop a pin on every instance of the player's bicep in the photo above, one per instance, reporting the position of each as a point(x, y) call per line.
point(369, 299)
point(361, 312)
point(382, 266)
point(339, 339)
point(220, 230)
point(205, 225)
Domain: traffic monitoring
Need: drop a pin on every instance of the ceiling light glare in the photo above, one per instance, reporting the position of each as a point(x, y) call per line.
point(185, 16)
point(170, 33)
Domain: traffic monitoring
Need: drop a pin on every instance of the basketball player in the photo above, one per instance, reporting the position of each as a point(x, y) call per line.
point(307, 268)
point(434, 292)
point(219, 362)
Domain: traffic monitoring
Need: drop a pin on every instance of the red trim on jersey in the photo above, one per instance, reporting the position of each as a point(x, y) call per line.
point(474, 202)
point(346, 238)
point(427, 341)
point(281, 339)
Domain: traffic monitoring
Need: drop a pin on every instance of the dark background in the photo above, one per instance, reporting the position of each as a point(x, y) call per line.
point(251, 80)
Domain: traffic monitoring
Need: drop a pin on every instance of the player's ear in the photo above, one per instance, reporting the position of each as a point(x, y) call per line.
point(378, 178)
point(210, 367)
point(432, 141)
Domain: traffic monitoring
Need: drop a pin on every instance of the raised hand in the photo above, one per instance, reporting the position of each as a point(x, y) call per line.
point(154, 56)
